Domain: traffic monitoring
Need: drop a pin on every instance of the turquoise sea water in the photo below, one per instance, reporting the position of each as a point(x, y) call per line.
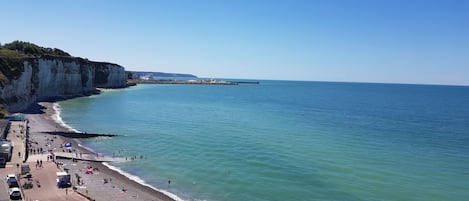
point(284, 140)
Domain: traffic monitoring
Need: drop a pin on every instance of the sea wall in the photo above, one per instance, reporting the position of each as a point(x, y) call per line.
point(44, 78)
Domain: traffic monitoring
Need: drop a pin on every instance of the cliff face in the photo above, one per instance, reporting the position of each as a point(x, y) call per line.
point(44, 78)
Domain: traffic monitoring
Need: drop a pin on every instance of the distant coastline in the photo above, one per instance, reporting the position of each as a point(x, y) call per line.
point(199, 82)
point(149, 75)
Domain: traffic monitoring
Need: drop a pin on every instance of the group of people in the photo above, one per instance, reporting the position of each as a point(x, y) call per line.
point(35, 150)
point(38, 163)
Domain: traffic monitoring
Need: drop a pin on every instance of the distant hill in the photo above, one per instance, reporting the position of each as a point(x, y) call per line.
point(138, 74)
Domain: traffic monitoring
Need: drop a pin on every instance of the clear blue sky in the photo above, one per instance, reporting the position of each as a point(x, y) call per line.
point(361, 41)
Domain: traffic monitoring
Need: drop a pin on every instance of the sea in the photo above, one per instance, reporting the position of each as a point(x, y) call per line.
point(285, 140)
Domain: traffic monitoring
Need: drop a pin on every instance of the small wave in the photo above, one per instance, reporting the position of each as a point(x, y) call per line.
point(108, 89)
point(142, 182)
point(58, 119)
point(87, 148)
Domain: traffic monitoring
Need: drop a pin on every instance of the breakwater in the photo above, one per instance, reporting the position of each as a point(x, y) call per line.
point(80, 135)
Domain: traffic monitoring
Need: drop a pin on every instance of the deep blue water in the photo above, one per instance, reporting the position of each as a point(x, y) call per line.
point(282, 140)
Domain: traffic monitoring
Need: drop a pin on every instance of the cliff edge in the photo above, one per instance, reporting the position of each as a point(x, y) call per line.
point(29, 73)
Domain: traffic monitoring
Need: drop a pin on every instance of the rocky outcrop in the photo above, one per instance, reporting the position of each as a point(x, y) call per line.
point(53, 77)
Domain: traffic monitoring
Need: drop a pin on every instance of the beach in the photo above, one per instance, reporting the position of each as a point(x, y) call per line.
point(103, 184)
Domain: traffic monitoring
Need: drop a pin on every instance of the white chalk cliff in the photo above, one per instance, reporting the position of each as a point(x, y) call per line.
point(44, 78)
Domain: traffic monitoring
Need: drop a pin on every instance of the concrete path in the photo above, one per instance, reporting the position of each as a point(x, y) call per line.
point(81, 157)
point(17, 137)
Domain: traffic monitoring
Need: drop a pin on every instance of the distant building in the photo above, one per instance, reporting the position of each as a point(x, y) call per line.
point(19, 117)
point(145, 77)
point(5, 150)
point(4, 127)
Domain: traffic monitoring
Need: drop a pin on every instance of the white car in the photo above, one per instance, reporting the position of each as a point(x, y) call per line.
point(10, 176)
point(14, 193)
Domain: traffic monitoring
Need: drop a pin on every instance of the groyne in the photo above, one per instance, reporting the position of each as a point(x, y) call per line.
point(79, 135)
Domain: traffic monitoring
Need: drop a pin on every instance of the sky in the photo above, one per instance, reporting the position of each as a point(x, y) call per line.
point(386, 41)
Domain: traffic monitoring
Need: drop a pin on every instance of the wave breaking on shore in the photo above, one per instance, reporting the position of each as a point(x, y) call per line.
point(58, 118)
point(141, 181)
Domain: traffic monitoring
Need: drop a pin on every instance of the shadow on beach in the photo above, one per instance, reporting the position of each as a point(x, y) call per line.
point(35, 109)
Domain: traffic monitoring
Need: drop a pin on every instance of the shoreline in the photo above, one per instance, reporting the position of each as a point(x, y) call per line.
point(49, 119)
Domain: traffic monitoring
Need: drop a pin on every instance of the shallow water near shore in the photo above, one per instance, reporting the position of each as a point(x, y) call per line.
point(283, 140)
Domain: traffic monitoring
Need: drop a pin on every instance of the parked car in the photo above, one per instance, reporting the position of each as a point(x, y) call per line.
point(12, 182)
point(10, 176)
point(3, 162)
point(14, 193)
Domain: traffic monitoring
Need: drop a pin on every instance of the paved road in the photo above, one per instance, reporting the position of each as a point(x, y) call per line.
point(3, 190)
point(16, 135)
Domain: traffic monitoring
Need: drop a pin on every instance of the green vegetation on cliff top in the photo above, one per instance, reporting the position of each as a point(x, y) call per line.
point(12, 56)
point(27, 49)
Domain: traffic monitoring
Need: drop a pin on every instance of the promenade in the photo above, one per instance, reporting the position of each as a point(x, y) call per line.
point(43, 178)
point(17, 136)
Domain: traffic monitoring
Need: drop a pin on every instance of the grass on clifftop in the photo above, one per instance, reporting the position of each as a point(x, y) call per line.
point(11, 65)
point(11, 54)
point(32, 49)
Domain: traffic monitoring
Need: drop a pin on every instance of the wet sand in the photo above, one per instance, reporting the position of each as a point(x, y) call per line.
point(117, 187)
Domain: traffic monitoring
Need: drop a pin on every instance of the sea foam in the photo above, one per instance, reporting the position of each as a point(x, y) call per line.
point(58, 119)
point(141, 181)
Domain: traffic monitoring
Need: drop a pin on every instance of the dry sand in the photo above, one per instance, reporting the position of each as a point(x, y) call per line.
point(41, 119)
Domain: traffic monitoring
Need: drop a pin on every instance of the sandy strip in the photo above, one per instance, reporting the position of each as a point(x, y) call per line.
point(41, 118)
